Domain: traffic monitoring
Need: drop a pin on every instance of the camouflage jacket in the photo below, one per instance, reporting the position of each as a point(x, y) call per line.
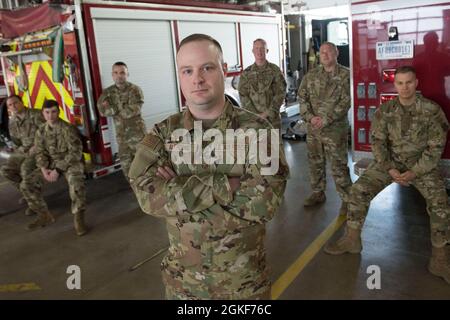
point(263, 89)
point(326, 95)
point(124, 105)
point(413, 137)
point(22, 130)
point(210, 229)
point(58, 147)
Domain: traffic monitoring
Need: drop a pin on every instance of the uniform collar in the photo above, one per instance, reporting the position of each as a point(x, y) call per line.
point(413, 109)
point(56, 126)
point(26, 115)
point(334, 72)
point(256, 67)
point(221, 123)
point(125, 86)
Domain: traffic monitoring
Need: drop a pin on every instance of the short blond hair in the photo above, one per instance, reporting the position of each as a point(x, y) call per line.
point(260, 40)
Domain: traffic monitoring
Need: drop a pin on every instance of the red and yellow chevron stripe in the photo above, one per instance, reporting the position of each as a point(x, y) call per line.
point(41, 87)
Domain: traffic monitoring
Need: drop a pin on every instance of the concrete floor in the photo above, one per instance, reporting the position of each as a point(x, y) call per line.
point(33, 264)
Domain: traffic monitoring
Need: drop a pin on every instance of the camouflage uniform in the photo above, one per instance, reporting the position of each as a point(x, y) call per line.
point(58, 147)
point(216, 238)
point(125, 107)
point(406, 138)
point(22, 131)
point(263, 89)
point(327, 95)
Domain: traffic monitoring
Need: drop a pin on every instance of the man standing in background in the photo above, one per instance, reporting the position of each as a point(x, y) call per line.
point(123, 101)
point(262, 87)
point(324, 103)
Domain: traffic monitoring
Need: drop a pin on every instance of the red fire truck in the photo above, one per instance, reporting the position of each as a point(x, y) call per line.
point(386, 35)
point(64, 50)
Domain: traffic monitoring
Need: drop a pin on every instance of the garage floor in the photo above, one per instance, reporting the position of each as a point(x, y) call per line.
point(33, 265)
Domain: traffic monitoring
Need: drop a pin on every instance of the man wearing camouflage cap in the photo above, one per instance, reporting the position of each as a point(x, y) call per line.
point(408, 137)
point(324, 103)
point(123, 102)
point(262, 87)
point(215, 212)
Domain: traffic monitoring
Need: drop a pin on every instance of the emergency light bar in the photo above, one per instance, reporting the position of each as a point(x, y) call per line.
point(37, 44)
point(388, 75)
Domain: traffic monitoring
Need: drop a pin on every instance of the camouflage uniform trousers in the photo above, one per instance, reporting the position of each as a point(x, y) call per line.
point(127, 151)
point(219, 273)
point(11, 169)
point(334, 146)
point(172, 294)
point(430, 185)
point(126, 158)
point(32, 184)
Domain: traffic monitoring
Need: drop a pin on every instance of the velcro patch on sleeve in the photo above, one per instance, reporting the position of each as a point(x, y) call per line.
point(147, 154)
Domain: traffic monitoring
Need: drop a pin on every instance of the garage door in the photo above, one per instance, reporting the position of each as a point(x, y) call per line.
point(146, 47)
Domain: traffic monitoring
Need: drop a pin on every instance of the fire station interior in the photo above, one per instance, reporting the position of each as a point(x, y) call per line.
point(120, 256)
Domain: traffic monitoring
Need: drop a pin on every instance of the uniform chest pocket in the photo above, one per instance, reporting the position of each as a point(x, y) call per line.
point(266, 83)
point(260, 82)
point(187, 155)
point(394, 131)
point(417, 123)
point(61, 144)
point(52, 144)
point(186, 158)
point(333, 87)
point(418, 130)
point(314, 88)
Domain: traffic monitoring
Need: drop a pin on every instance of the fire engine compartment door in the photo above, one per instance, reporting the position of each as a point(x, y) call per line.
point(146, 47)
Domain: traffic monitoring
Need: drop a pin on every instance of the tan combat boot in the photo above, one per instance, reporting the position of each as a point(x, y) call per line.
point(29, 212)
point(344, 208)
point(42, 220)
point(78, 222)
point(315, 198)
point(350, 242)
point(440, 262)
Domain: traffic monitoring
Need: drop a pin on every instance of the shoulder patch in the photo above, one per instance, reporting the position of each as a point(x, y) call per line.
point(273, 66)
point(151, 141)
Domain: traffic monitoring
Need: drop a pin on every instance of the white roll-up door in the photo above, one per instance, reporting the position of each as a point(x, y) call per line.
point(268, 32)
point(223, 32)
point(146, 47)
